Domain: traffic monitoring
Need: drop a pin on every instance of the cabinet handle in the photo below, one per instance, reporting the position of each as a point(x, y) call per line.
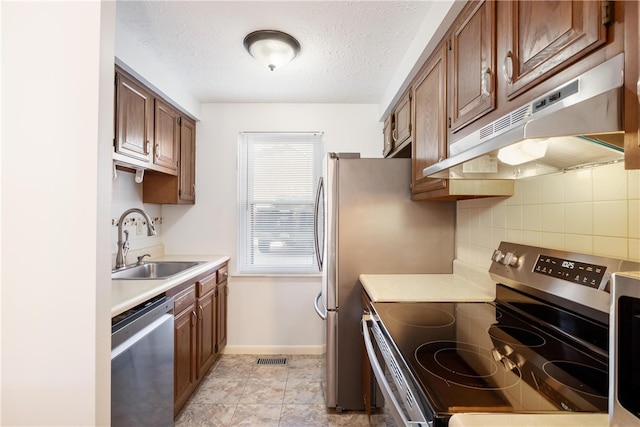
point(201, 312)
point(485, 83)
point(394, 135)
point(507, 67)
point(194, 318)
point(157, 150)
point(147, 147)
point(638, 88)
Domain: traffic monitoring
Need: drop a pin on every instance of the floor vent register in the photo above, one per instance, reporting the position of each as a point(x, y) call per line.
point(272, 361)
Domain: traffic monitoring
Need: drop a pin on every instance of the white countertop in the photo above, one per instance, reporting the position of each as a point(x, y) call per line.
point(466, 283)
point(126, 294)
point(529, 420)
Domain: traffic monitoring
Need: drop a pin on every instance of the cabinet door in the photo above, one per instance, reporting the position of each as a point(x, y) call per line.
point(207, 325)
point(223, 293)
point(402, 121)
point(547, 35)
point(185, 374)
point(187, 190)
point(386, 131)
point(134, 119)
point(632, 85)
point(472, 50)
point(430, 119)
point(167, 136)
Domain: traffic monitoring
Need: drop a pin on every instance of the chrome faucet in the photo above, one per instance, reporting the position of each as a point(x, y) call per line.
point(151, 230)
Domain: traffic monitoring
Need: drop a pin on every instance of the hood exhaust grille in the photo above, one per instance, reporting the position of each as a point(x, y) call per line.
point(567, 124)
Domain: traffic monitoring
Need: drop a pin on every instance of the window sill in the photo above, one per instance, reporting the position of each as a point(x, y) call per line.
point(283, 275)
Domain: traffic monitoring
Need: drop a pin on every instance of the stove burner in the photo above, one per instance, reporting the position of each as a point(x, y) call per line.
point(516, 337)
point(574, 376)
point(421, 316)
point(451, 362)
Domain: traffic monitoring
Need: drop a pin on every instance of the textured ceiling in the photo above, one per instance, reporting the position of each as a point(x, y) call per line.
point(350, 50)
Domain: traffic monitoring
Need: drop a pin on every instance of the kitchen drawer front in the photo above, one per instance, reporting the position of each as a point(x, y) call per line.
point(206, 284)
point(184, 299)
point(223, 273)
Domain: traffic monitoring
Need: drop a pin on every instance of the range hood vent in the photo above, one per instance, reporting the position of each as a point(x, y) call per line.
point(578, 124)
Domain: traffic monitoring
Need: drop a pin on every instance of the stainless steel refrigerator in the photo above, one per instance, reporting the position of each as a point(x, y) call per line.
point(367, 223)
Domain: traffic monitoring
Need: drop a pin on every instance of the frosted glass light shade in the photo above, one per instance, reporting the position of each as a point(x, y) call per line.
point(524, 151)
point(272, 48)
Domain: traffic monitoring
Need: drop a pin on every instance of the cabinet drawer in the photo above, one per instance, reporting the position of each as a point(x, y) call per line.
point(184, 299)
point(206, 284)
point(222, 274)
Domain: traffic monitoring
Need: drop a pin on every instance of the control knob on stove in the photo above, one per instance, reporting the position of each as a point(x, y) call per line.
point(506, 258)
point(497, 256)
point(510, 259)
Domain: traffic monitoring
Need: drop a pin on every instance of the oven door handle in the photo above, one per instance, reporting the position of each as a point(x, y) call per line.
point(379, 374)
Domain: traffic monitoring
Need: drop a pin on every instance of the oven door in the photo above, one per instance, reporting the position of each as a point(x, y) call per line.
point(392, 377)
point(624, 371)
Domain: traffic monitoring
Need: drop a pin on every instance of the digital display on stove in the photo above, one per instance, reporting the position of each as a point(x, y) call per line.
point(572, 271)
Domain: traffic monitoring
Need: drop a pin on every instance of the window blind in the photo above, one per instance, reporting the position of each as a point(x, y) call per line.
point(278, 175)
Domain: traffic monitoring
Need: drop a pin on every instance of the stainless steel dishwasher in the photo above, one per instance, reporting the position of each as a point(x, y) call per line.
point(142, 365)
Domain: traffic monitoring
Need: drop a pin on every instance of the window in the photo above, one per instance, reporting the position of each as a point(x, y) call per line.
point(277, 178)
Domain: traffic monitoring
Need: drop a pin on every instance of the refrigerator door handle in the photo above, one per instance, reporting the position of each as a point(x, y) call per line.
point(316, 212)
point(322, 315)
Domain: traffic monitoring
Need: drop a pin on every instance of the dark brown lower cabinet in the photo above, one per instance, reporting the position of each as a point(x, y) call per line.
point(185, 337)
point(200, 326)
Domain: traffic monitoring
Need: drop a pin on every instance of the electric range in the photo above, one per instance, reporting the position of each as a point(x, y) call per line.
point(540, 347)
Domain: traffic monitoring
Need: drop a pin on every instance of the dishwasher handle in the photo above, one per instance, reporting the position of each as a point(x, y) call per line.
point(139, 318)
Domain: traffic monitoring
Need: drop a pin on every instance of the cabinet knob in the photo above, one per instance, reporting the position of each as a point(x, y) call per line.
point(507, 67)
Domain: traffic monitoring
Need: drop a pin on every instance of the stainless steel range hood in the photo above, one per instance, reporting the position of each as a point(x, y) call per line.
point(578, 124)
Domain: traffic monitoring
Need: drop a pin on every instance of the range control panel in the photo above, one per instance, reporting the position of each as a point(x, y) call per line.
point(572, 271)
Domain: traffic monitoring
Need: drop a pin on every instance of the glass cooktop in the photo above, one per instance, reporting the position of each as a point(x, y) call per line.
point(490, 357)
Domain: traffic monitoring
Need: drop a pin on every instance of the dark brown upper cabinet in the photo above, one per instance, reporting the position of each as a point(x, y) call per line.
point(545, 36)
point(430, 118)
point(134, 119)
point(472, 49)
point(167, 135)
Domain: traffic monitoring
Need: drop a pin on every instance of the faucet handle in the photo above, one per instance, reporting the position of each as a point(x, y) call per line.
point(141, 259)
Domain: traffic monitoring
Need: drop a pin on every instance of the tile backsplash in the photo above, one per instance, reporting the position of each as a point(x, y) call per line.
point(127, 194)
point(594, 211)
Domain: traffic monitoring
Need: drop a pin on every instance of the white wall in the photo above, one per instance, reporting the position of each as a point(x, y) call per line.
point(268, 314)
point(57, 125)
point(146, 66)
point(593, 211)
point(127, 194)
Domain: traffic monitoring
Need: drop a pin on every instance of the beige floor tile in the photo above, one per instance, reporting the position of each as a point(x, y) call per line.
point(237, 392)
point(264, 390)
point(220, 390)
point(256, 415)
point(297, 415)
point(206, 415)
point(303, 391)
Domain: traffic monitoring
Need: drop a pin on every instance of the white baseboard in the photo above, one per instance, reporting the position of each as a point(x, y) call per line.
point(270, 349)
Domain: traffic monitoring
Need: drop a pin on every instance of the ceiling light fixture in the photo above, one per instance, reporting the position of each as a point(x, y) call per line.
point(272, 48)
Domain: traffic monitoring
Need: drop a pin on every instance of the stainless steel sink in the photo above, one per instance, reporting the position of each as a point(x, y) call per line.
point(153, 270)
